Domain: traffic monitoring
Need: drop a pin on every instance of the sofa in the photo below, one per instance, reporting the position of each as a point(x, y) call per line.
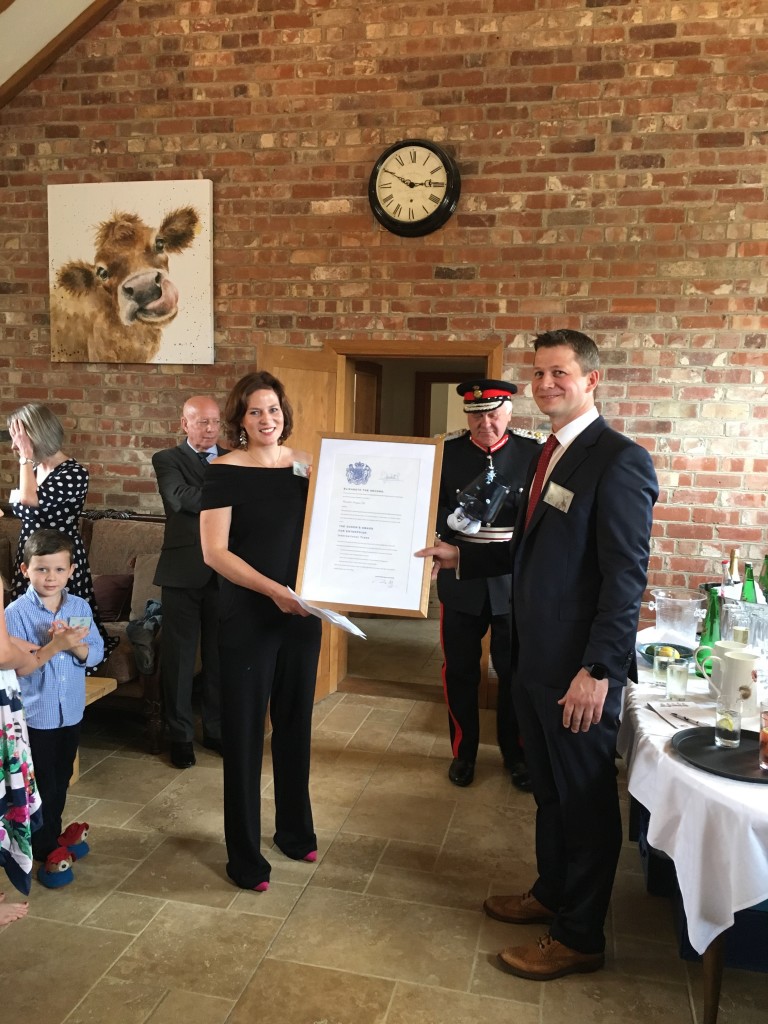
point(123, 550)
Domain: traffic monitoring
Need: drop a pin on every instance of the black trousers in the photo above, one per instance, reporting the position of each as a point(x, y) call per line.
point(53, 755)
point(578, 820)
point(461, 636)
point(189, 613)
point(275, 667)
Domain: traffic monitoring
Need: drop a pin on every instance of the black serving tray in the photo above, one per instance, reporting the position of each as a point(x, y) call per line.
point(697, 747)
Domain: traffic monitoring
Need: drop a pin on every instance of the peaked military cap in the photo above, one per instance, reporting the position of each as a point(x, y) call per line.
point(485, 395)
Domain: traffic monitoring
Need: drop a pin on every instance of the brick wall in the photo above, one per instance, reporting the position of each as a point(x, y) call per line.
point(614, 158)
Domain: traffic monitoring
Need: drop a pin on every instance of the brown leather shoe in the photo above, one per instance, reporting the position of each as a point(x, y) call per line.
point(547, 959)
point(515, 909)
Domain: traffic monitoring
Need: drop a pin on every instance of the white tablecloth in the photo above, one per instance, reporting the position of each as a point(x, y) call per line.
point(714, 829)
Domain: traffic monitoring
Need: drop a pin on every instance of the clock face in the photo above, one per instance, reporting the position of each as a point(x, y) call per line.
point(414, 187)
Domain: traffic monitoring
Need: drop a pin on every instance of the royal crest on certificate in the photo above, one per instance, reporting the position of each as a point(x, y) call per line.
point(371, 507)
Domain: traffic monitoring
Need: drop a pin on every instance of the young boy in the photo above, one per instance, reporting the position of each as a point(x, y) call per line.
point(64, 639)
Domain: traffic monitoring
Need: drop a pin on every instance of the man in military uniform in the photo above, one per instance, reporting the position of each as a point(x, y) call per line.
point(469, 608)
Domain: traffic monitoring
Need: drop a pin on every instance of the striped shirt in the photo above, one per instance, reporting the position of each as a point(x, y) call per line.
point(54, 695)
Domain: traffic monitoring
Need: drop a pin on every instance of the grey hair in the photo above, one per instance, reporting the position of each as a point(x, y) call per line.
point(43, 428)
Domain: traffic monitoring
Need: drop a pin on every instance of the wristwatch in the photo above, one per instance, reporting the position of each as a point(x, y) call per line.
point(597, 670)
point(24, 461)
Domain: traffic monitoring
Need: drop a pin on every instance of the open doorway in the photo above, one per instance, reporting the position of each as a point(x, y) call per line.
point(402, 657)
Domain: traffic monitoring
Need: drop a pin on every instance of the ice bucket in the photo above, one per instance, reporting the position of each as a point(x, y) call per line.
point(678, 614)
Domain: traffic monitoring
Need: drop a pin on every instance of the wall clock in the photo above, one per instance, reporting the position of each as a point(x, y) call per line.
point(414, 187)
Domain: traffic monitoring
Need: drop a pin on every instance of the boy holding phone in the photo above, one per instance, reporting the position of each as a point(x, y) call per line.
point(60, 631)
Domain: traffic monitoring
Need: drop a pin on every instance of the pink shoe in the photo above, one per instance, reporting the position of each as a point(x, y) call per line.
point(311, 856)
point(261, 887)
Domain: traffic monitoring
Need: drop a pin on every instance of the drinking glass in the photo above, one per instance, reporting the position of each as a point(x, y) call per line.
point(677, 680)
point(660, 664)
point(728, 723)
point(764, 735)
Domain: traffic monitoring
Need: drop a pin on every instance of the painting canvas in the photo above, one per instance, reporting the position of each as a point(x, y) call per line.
point(131, 272)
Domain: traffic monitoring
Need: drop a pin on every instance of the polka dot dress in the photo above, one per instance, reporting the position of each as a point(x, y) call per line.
point(60, 497)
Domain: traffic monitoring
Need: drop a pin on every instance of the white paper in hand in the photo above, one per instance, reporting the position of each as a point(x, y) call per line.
point(335, 618)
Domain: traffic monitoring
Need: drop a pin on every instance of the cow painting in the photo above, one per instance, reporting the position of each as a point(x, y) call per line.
point(114, 309)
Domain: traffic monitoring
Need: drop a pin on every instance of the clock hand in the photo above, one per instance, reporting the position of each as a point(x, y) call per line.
point(405, 181)
point(420, 184)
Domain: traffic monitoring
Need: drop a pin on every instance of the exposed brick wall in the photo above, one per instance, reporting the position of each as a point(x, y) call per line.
point(614, 158)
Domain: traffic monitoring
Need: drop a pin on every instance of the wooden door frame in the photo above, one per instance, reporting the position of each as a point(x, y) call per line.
point(491, 352)
point(366, 366)
point(422, 405)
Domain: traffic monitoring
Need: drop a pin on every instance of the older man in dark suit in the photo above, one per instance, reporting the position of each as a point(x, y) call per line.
point(190, 588)
point(579, 559)
point(471, 608)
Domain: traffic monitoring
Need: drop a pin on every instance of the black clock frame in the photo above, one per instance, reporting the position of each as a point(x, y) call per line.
point(447, 204)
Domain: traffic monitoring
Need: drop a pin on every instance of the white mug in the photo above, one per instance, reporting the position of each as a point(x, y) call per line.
point(719, 649)
point(737, 681)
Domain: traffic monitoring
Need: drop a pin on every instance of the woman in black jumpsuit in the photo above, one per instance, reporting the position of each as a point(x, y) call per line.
point(254, 499)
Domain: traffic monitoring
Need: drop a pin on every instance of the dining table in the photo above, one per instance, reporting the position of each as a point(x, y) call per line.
point(714, 828)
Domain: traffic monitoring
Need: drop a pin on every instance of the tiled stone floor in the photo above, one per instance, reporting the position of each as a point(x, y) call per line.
point(402, 655)
point(385, 929)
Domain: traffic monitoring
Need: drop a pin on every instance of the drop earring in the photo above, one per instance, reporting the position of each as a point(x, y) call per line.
point(243, 439)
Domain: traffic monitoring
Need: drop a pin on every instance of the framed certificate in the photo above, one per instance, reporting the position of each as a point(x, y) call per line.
point(372, 503)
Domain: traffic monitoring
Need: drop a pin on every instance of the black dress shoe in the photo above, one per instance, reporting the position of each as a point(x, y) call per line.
point(211, 743)
point(182, 755)
point(461, 773)
point(518, 770)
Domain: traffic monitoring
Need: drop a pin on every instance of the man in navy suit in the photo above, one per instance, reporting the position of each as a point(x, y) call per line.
point(190, 588)
point(579, 558)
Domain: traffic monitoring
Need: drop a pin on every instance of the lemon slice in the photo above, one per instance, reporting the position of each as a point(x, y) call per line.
point(725, 723)
point(668, 652)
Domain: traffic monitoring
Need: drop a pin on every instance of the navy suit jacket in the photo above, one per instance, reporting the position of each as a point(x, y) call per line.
point(179, 475)
point(579, 575)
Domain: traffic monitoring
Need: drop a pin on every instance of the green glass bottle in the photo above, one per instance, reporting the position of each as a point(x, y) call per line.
point(763, 578)
point(748, 587)
point(710, 632)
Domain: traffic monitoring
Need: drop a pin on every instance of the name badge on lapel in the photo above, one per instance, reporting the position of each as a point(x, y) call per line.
point(558, 497)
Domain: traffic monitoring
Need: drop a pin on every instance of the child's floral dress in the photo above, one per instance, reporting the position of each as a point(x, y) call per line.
point(19, 798)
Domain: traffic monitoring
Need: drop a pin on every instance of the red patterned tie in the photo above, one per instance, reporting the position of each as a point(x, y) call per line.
point(538, 481)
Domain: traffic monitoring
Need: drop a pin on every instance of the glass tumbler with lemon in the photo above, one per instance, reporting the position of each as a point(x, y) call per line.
point(727, 723)
point(663, 657)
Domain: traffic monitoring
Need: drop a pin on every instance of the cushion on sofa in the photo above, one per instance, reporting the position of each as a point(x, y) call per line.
point(144, 589)
point(115, 542)
point(121, 664)
point(113, 595)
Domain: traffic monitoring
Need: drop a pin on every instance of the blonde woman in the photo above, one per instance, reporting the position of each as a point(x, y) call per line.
point(51, 495)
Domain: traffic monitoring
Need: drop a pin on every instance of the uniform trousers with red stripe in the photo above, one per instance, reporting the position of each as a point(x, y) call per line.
point(461, 637)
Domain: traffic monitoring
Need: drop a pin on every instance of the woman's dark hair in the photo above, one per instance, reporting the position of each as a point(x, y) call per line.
point(237, 404)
